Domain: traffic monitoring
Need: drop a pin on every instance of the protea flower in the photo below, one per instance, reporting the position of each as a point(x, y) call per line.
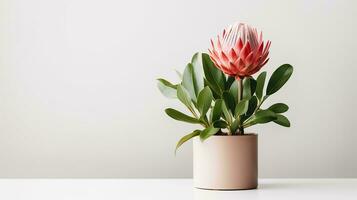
point(239, 51)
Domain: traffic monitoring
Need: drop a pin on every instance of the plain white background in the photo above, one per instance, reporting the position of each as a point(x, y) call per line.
point(174, 189)
point(78, 95)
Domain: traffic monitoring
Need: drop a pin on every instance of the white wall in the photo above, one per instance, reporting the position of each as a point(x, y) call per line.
point(78, 95)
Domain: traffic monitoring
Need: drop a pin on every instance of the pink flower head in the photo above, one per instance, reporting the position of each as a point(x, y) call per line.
point(239, 51)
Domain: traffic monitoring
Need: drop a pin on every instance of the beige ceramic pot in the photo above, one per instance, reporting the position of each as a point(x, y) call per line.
point(226, 162)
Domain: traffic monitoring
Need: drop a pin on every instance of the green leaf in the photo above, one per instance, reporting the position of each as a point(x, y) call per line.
point(260, 85)
point(279, 77)
point(241, 107)
point(227, 115)
point(234, 126)
point(279, 108)
point(184, 97)
point(167, 88)
point(186, 138)
point(167, 83)
point(196, 61)
point(220, 124)
point(229, 82)
point(229, 100)
point(234, 90)
point(206, 133)
point(215, 78)
point(217, 110)
point(282, 120)
point(253, 85)
point(253, 102)
point(246, 88)
point(192, 80)
point(204, 101)
point(197, 72)
point(175, 114)
point(261, 117)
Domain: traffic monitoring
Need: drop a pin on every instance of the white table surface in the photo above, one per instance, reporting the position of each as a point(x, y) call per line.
point(172, 189)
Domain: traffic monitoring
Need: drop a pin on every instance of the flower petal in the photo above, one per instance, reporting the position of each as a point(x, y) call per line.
point(239, 64)
point(239, 46)
point(249, 59)
point(212, 44)
point(232, 55)
point(219, 46)
point(245, 51)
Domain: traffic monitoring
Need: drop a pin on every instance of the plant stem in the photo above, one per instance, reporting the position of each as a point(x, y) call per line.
point(193, 112)
point(240, 97)
point(260, 103)
point(204, 123)
point(240, 89)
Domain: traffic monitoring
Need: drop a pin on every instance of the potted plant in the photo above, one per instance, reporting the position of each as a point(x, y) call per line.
point(222, 96)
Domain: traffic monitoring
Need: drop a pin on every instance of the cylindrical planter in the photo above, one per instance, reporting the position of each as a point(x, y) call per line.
point(226, 162)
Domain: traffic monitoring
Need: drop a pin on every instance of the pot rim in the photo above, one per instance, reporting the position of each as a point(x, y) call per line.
point(244, 135)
